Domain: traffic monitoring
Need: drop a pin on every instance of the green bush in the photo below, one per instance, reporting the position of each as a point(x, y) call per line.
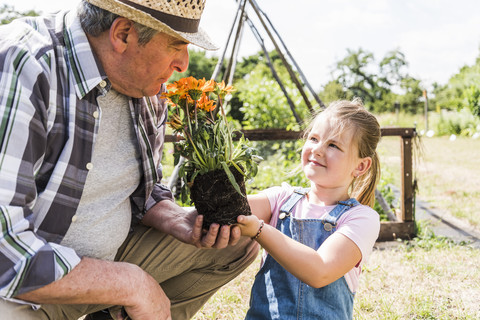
point(461, 123)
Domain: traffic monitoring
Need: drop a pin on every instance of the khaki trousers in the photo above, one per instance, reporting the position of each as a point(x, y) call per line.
point(188, 275)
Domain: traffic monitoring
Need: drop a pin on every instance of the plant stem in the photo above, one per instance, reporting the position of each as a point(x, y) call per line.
point(189, 137)
point(188, 117)
point(196, 119)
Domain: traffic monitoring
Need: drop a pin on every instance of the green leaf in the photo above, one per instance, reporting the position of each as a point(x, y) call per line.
point(231, 178)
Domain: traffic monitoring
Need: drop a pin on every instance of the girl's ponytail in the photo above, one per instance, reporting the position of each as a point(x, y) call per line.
point(363, 187)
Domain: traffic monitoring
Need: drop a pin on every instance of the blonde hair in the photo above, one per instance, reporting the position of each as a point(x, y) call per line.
point(342, 115)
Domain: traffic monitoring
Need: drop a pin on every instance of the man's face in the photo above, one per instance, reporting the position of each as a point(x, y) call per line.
point(144, 68)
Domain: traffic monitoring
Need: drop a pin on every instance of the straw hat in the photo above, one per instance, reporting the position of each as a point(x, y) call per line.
point(178, 18)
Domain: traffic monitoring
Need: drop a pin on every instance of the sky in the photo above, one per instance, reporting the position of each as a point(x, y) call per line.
point(438, 37)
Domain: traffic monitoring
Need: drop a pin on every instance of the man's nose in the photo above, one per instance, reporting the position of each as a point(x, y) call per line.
point(180, 64)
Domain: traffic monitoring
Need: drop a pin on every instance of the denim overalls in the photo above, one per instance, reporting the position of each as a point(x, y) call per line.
point(277, 294)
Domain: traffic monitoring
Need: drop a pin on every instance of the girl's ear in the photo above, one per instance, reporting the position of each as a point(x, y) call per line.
point(363, 165)
point(121, 33)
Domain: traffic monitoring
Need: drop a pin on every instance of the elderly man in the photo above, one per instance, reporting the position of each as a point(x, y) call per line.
point(85, 223)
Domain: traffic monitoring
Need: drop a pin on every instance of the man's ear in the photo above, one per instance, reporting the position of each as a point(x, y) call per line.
point(121, 34)
point(363, 165)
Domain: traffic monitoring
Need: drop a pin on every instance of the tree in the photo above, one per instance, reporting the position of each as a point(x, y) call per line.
point(410, 101)
point(334, 90)
point(393, 68)
point(379, 86)
point(353, 74)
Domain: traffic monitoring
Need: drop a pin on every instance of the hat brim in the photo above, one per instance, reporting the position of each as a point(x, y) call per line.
point(199, 38)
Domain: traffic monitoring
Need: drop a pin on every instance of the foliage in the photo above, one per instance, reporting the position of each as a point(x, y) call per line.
point(410, 101)
point(427, 239)
point(461, 123)
point(333, 91)
point(282, 164)
point(387, 189)
point(264, 104)
point(472, 94)
point(8, 14)
point(208, 138)
point(461, 91)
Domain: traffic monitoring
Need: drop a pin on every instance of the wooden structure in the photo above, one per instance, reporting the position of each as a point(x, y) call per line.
point(404, 225)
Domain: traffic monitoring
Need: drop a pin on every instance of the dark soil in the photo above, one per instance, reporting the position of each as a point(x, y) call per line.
point(217, 200)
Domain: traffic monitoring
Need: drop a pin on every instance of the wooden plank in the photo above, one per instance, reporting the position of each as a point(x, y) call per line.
point(392, 230)
point(402, 132)
point(282, 134)
point(271, 134)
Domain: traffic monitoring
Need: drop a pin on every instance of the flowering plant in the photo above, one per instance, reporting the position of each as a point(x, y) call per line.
point(207, 143)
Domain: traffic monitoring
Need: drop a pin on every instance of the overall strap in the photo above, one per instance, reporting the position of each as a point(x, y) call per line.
point(339, 209)
point(292, 201)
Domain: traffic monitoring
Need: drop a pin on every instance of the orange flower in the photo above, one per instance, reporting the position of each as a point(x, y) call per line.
point(209, 86)
point(206, 104)
point(194, 87)
point(222, 91)
point(191, 83)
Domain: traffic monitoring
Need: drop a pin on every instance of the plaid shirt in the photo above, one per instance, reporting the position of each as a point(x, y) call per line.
point(49, 118)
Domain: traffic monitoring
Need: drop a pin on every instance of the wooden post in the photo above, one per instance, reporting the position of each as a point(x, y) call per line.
point(407, 177)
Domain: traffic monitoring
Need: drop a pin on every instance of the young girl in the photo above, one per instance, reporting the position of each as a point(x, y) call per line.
point(318, 238)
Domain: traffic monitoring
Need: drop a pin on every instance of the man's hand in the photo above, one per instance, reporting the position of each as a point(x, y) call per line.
point(186, 226)
point(95, 281)
point(149, 302)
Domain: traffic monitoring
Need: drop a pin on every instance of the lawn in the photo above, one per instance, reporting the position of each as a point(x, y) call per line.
point(427, 278)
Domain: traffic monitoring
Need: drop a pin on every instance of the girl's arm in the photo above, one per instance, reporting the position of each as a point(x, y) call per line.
point(335, 257)
point(260, 207)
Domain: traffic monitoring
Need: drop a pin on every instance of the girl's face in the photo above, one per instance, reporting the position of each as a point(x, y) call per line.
point(329, 159)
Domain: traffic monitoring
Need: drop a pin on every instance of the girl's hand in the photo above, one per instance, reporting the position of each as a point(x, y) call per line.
point(248, 225)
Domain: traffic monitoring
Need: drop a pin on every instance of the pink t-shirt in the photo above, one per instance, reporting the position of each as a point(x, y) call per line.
point(361, 224)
